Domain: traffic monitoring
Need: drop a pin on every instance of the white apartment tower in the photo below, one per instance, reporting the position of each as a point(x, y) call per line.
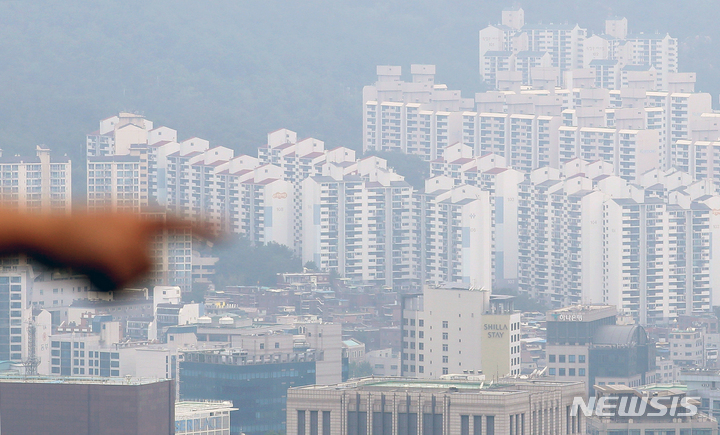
point(418, 117)
point(36, 184)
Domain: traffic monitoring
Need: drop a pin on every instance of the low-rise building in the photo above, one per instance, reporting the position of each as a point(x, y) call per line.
point(384, 362)
point(203, 418)
point(650, 410)
point(84, 406)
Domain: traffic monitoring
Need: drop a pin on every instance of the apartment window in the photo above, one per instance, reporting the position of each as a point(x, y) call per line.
point(561, 372)
point(445, 370)
point(421, 322)
point(561, 358)
point(581, 358)
point(571, 358)
point(421, 334)
point(445, 336)
point(571, 372)
point(551, 358)
point(445, 347)
point(445, 324)
point(446, 359)
point(551, 371)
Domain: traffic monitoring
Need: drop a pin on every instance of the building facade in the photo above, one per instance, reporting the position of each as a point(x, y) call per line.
point(440, 333)
point(408, 406)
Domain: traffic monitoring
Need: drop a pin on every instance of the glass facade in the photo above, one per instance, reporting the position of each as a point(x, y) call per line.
point(11, 306)
point(259, 391)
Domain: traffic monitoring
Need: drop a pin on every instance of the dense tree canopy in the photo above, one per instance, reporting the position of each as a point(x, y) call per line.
point(242, 263)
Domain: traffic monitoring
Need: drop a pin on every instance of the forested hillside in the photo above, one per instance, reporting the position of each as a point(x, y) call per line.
point(230, 71)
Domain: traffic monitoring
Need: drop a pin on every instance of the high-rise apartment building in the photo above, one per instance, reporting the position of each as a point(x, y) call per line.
point(418, 117)
point(515, 46)
point(360, 224)
point(652, 239)
point(36, 184)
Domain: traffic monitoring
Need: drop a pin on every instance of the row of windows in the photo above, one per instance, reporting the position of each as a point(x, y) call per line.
point(562, 359)
point(561, 372)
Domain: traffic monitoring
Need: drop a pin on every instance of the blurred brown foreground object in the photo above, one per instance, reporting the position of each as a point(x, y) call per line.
point(112, 249)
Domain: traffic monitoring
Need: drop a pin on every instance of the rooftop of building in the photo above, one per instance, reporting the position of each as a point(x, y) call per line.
point(190, 407)
point(75, 380)
point(574, 309)
point(452, 383)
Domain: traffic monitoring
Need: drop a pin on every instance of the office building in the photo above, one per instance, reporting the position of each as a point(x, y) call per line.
point(455, 405)
point(36, 184)
point(459, 329)
point(256, 385)
point(585, 344)
point(645, 416)
point(203, 418)
point(705, 384)
point(15, 312)
point(81, 406)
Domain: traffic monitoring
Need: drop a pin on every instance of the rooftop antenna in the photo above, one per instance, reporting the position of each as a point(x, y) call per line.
point(33, 361)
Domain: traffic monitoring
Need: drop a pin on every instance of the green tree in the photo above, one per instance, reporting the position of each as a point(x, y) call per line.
point(360, 369)
point(243, 263)
point(413, 168)
point(197, 294)
point(523, 302)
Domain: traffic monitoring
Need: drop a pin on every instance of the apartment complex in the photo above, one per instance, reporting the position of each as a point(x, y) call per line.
point(457, 329)
point(417, 117)
point(586, 236)
point(453, 405)
point(36, 184)
point(635, 127)
point(528, 54)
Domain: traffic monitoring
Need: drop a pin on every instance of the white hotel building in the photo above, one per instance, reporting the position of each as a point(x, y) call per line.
point(459, 329)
